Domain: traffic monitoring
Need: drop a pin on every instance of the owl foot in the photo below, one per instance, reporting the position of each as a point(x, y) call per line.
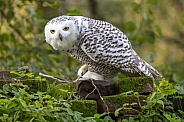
point(90, 75)
point(82, 70)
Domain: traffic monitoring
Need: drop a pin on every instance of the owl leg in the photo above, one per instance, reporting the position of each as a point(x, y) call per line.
point(82, 70)
point(85, 74)
point(92, 75)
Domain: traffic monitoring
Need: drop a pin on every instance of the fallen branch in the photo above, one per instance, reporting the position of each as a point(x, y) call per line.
point(56, 78)
point(95, 88)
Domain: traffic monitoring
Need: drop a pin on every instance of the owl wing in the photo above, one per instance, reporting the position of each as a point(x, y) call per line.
point(104, 43)
point(110, 46)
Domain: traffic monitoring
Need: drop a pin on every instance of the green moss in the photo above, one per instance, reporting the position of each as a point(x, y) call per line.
point(61, 91)
point(135, 83)
point(117, 101)
point(67, 86)
point(87, 107)
point(36, 85)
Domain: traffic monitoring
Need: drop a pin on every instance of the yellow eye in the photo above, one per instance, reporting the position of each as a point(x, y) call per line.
point(66, 28)
point(52, 31)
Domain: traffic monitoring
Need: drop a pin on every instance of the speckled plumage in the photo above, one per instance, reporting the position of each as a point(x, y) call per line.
point(102, 47)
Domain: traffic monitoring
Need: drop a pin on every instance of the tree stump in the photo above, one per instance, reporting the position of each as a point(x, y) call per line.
point(93, 89)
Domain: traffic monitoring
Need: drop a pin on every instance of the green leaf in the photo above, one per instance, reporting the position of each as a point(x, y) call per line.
point(180, 89)
point(56, 5)
point(98, 116)
point(181, 112)
point(176, 78)
point(116, 113)
point(74, 12)
point(30, 75)
point(69, 111)
point(158, 30)
point(47, 97)
point(182, 19)
point(149, 36)
point(14, 72)
point(11, 105)
point(10, 14)
point(38, 104)
point(136, 7)
point(46, 4)
point(169, 91)
point(127, 93)
point(6, 88)
point(130, 26)
point(163, 83)
point(152, 96)
point(16, 94)
point(23, 103)
point(161, 103)
point(168, 116)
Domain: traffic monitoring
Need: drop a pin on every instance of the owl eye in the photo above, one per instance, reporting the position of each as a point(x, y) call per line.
point(52, 31)
point(66, 28)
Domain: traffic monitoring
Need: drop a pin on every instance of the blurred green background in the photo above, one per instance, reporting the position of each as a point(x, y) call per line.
point(154, 27)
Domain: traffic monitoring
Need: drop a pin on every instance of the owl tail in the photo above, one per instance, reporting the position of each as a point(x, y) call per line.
point(154, 73)
point(145, 69)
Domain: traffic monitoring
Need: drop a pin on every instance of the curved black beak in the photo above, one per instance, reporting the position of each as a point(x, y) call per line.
point(60, 36)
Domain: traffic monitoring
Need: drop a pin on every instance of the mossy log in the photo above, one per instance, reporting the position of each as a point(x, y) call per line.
point(34, 84)
point(87, 107)
point(89, 88)
point(142, 85)
point(5, 77)
point(128, 105)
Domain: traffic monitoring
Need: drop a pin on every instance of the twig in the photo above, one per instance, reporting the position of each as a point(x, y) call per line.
point(95, 88)
point(55, 78)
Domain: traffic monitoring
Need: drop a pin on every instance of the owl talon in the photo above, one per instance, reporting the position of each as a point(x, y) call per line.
point(92, 75)
point(82, 70)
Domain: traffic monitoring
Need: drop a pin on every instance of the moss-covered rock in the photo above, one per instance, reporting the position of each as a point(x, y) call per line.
point(36, 85)
point(67, 86)
point(87, 107)
point(128, 105)
point(62, 90)
point(136, 84)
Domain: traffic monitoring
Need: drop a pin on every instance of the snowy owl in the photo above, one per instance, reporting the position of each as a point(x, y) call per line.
point(102, 48)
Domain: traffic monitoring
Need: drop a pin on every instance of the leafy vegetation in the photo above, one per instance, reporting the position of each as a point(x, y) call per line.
point(160, 105)
point(18, 103)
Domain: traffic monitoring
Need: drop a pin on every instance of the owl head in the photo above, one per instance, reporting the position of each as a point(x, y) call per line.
point(61, 33)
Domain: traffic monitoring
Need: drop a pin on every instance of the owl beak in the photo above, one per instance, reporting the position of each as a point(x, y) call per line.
point(60, 36)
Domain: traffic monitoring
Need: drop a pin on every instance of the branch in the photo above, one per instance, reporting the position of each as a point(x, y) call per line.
point(55, 78)
point(95, 88)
